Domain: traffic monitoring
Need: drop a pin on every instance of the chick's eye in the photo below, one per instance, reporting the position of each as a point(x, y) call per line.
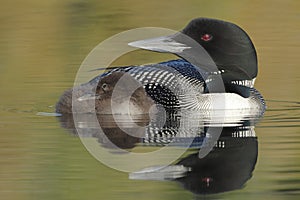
point(206, 37)
point(104, 86)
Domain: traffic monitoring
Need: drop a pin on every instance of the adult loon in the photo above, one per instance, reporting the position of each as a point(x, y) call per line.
point(210, 49)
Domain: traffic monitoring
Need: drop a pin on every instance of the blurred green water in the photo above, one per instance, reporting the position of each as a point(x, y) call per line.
point(42, 44)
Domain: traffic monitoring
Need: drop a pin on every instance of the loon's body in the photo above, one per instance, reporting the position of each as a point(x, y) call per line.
point(193, 82)
point(177, 84)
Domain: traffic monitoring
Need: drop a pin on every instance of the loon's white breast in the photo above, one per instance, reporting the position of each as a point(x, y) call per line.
point(226, 101)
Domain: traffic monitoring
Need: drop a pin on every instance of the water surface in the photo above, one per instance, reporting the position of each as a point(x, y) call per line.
point(42, 45)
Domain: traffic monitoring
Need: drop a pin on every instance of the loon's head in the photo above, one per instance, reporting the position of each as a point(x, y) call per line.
point(229, 47)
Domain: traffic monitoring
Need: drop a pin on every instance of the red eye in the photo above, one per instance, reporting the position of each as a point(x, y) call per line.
point(206, 37)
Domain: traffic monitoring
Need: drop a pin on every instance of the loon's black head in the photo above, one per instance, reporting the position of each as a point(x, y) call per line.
point(227, 44)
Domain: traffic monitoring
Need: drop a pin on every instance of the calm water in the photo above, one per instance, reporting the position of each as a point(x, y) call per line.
point(42, 45)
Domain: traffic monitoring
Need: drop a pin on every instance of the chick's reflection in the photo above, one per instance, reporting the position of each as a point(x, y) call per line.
point(109, 134)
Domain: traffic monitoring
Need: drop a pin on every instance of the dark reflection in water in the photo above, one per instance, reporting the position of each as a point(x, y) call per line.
point(111, 135)
point(228, 166)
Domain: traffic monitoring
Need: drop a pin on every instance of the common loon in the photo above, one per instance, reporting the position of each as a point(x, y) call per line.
point(187, 83)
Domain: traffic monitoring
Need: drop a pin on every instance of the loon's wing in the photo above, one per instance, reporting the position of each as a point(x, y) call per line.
point(186, 69)
point(182, 66)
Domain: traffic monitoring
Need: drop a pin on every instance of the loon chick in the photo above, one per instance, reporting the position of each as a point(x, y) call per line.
point(218, 48)
point(129, 98)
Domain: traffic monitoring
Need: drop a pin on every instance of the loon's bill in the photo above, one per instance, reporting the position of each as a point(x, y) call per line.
point(164, 44)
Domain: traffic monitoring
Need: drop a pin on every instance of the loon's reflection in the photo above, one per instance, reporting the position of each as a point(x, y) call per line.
point(227, 166)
